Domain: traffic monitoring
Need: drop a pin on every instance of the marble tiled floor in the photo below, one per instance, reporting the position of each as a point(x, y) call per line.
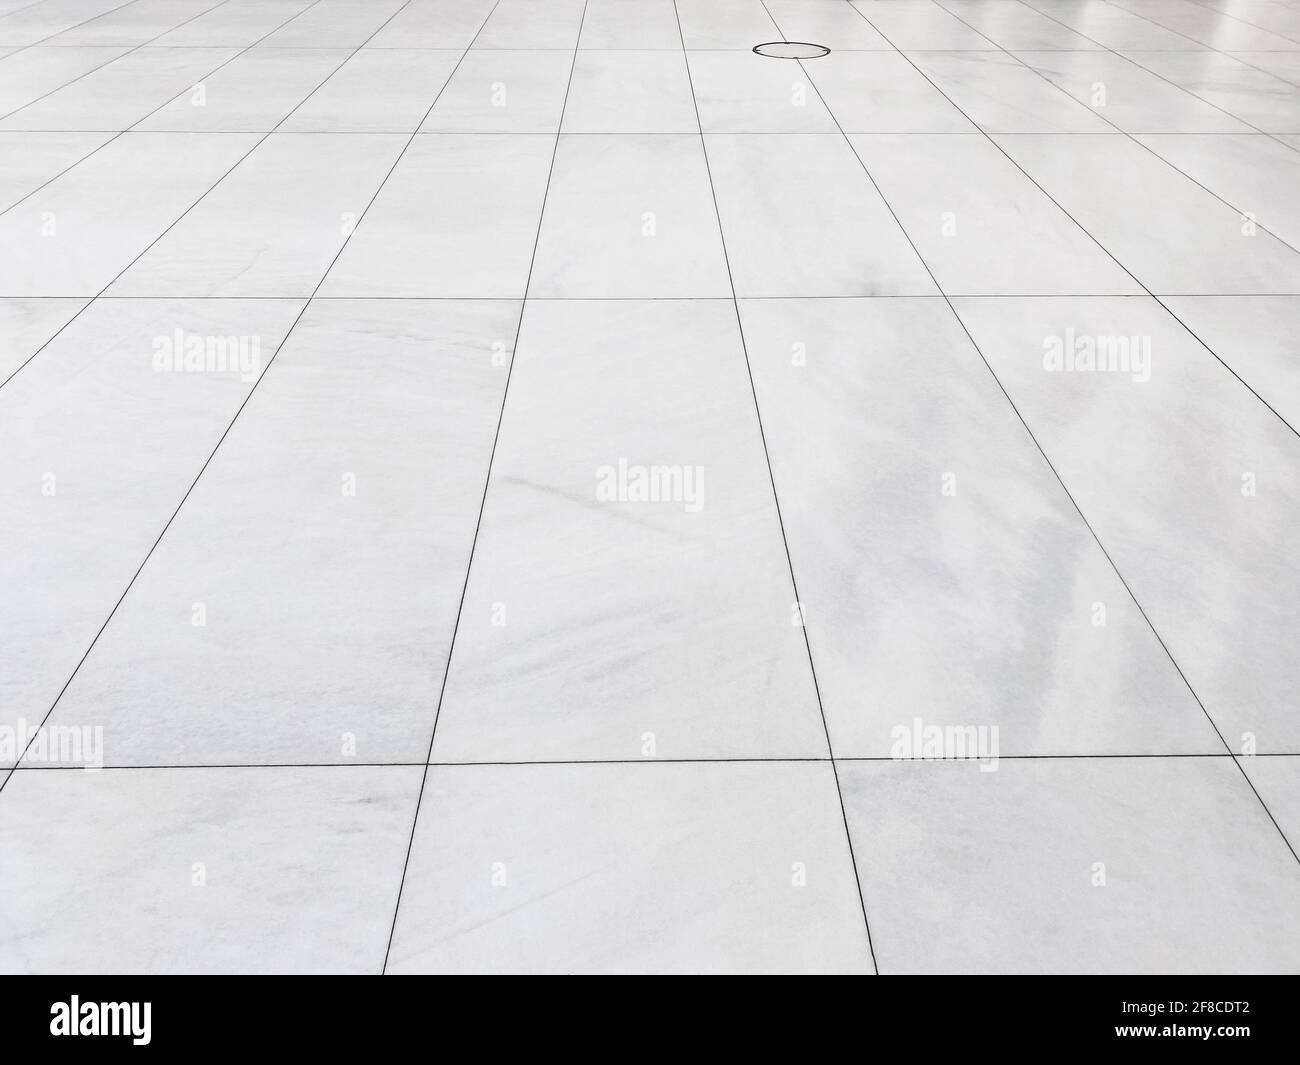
point(933, 654)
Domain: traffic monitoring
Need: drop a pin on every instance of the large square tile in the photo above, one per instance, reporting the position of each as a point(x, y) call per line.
point(26, 325)
point(252, 93)
point(203, 871)
point(801, 218)
point(98, 450)
point(630, 92)
point(376, 91)
point(630, 868)
point(944, 573)
point(118, 95)
point(743, 92)
point(980, 224)
point(351, 485)
point(80, 231)
point(503, 91)
point(30, 160)
point(1173, 235)
point(630, 216)
point(1122, 865)
point(457, 218)
point(273, 225)
point(1254, 336)
point(1188, 480)
point(630, 591)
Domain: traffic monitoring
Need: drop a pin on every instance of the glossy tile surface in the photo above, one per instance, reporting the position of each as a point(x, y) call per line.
point(570, 883)
point(1013, 615)
point(1065, 866)
point(1187, 479)
point(244, 870)
point(325, 472)
point(99, 449)
point(721, 671)
point(538, 486)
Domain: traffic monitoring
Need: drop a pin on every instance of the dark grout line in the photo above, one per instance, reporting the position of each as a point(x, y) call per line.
point(776, 501)
point(28, 768)
point(694, 299)
point(976, 131)
point(487, 478)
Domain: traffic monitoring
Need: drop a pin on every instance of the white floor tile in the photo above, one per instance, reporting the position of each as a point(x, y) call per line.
point(1001, 95)
point(30, 160)
point(135, 24)
point(598, 624)
point(882, 92)
point(525, 24)
point(1277, 780)
point(1021, 854)
point(953, 583)
point(1187, 479)
point(1131, 97)
point(566, 882)
point(635, 24)
point(980, 224)
point(503, 91)
point(27, 324)
point(116, 96)
point(251, 94)
point(34, 72)
point(434, 24)
point(738, 24)
point(1254, 174)
point(42, 21)
point(273, 226)
point(1254, 335)
point(1284, 65)
point(237, 22)
point(457, 218)
point(831, 23)
point(207, 871)
point(320, 525)
point(630, 92)
point(743, 92)
point(801, 218)
point(629, 216)
point(909, 24)
point(1112, 27)
point(1013, 25)
point(1174, 236)
point(98, 450)
point(84, 228)
point(376, 91)
point(1205, 26)
point(335, 24)
point(1255, 97)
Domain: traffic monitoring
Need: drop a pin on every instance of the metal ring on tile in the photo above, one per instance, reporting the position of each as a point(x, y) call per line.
point(791, 50)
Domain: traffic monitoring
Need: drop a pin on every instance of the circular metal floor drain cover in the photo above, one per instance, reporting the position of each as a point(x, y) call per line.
point(792, 50)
